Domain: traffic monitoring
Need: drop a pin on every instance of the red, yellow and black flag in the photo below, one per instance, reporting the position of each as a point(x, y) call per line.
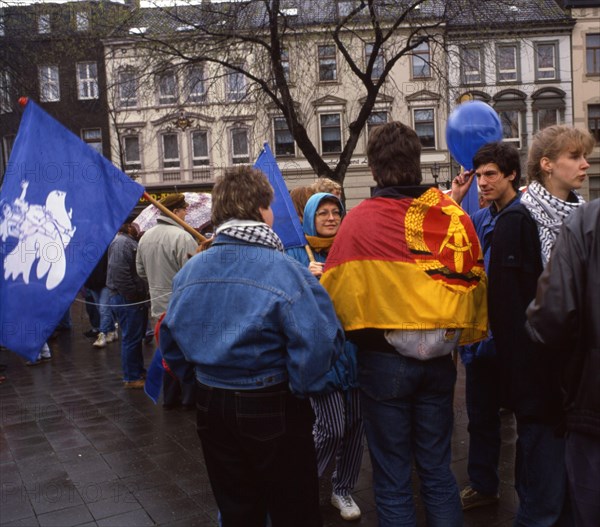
point(410, 263)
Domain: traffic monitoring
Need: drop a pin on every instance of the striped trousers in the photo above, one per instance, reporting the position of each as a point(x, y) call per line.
point(338, 433)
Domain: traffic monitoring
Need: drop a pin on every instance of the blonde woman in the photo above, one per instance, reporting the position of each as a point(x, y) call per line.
point(523, 238)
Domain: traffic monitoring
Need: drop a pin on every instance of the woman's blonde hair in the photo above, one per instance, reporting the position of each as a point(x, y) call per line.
point(553, 141)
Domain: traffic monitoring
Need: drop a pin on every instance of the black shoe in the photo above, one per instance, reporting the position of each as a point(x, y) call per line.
point(91, 334)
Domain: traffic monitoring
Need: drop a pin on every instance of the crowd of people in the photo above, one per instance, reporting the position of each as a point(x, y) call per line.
point(292, 356)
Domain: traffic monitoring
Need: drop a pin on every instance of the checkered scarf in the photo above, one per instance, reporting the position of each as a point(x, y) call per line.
point(549, 212)
point(252, 232)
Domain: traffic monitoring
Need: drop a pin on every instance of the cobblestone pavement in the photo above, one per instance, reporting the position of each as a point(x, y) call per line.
point(76, 448)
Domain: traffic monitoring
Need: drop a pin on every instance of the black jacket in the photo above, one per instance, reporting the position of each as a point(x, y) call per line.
point(528, 380)
point(565, 315)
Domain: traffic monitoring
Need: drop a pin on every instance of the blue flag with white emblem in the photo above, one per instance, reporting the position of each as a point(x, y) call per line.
point(286, 222)
point(61, 204)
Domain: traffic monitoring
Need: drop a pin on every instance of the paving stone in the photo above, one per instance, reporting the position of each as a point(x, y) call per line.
point(76, 448)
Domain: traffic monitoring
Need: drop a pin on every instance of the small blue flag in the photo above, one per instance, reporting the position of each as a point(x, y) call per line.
point(470, 202)
point(286, 223)
point(154, 376)
point(61, 204)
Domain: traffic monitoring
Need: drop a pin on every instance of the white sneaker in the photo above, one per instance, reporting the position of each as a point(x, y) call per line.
point(348, 508)
point(111, 336)
point(45, 353)
point(100, 341)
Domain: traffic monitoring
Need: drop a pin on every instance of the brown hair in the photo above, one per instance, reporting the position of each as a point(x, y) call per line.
point(552, 142)
point(324, 184)
point(299, 197)
point(239, 194)
point(394, 155)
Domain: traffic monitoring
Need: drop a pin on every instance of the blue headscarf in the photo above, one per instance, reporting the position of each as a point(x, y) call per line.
point(310, 209)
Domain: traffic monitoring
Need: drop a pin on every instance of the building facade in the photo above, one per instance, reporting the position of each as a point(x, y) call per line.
point(53, 54)
point(586, 82)
point(170, 121)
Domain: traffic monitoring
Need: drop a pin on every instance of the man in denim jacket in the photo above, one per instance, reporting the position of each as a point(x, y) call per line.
point(255, 330)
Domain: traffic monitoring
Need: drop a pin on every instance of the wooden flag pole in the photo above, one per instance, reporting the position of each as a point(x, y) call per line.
point(311, 256)
point(168, 213)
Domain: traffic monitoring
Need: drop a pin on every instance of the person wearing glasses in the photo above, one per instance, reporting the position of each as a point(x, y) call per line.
point(529, 379)
point(498, 172)
point(338, 428)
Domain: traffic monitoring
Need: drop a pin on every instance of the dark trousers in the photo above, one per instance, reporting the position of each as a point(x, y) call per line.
point(483, 407)
point(260, 456)
point(175, 393)
point(583, 472)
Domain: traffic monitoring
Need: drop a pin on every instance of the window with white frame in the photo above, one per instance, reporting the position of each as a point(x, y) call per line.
point(546, 61)
point(239, 146)
point(548, 107)
point(507, 62)
point(82, 21)
point(421, 61)
point(170, 151)
point(284, 142)
point(285, 63)
point(379, 63)
point(331, 133)
point(592, 53)
point(167, 88)
point(127, 89)
point(131, 153)
point(511, 108)
point(43, 24)
point(195, 83)
point(93, 137)
point(200, 148)
point(593, 111)
point(511, 126)
point(49, 83)
point(235, 88)
point(375, 119)
point(546, 117)
point(327, 63)
point(471, 64)
point(5, 106)
point(87, 80)
point(424, 125)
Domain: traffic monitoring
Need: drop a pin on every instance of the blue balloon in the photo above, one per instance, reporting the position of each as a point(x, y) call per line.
point(470, 126)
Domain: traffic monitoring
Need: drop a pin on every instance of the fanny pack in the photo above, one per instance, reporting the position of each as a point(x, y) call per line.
point(423, 344)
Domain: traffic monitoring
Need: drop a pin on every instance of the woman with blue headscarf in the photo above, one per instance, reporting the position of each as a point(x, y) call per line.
point(338, 428)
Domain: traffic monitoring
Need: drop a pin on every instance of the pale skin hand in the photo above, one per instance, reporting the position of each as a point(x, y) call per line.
point(316, 268)
point(461, 185)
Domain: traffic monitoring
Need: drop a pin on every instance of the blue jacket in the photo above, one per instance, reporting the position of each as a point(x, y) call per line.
point(247, 317)
point(484, 221)
point(347, 367)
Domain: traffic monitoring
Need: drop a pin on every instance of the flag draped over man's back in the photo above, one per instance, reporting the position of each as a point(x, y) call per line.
point(61, 204)
point(406, 264)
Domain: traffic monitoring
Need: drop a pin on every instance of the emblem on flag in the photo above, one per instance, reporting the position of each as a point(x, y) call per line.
point(43, 233)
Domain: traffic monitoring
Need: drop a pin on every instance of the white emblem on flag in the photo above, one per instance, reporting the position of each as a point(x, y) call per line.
point(43, 232)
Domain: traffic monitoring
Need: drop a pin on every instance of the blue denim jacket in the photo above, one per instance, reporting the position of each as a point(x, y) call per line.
point(249, 317)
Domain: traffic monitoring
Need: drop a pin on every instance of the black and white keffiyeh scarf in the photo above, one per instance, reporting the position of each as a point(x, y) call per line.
point(251, 232)
point(549, 212)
